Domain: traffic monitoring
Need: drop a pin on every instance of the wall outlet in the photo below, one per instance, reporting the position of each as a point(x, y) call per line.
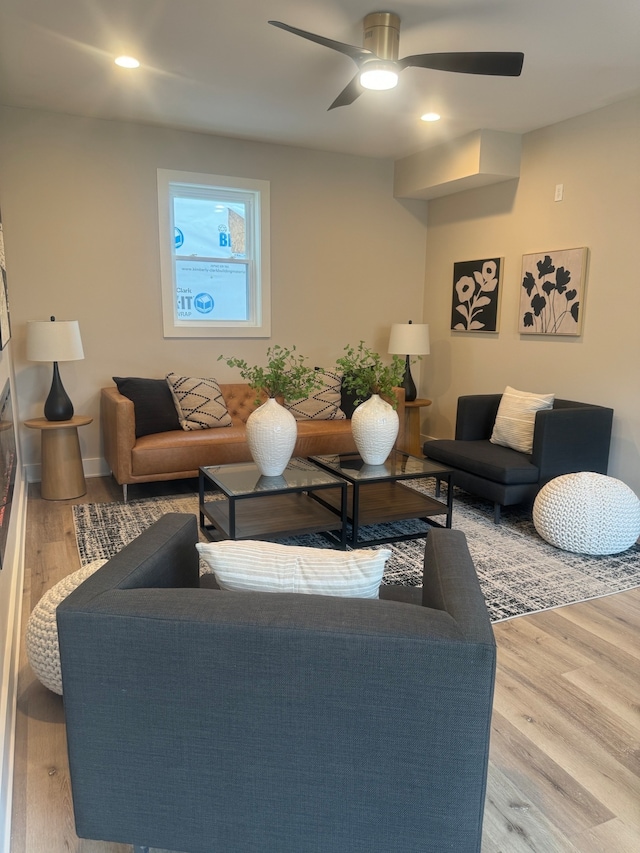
point(559, 192)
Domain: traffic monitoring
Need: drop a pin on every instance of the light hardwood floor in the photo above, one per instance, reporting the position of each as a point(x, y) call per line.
point(564, 773)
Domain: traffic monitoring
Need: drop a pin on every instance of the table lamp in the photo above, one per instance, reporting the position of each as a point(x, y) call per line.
point(409, 339)
point(55, 341)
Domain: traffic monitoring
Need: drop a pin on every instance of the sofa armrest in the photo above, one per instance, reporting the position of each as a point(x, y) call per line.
point(450, 583)
point(400, 409)
point(476, 416)
point(571, 437)
point(162, 556)
point(397, 400)
point(117, 414)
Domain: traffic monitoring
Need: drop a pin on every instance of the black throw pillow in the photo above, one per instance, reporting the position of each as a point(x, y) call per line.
point(155, 410)
point(348, 401)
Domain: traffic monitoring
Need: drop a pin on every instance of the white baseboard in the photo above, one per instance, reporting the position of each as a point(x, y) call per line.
point(95, 467)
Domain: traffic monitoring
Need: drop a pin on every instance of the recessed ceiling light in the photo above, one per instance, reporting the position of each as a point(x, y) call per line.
point(127, 62)
point(430, 117)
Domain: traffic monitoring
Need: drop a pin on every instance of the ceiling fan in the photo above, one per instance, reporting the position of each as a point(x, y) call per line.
point(379, 66)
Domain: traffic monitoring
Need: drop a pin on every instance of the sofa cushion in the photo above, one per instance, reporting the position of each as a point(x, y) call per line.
point(322, 404)
point(516, 417)
point(180, 451)
point(270, 567)
point(199, 402)
point(491, 461)
point(154, 408)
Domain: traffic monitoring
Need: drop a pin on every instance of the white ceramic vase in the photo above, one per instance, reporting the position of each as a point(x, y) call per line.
point(271, 436)
point(374, 425)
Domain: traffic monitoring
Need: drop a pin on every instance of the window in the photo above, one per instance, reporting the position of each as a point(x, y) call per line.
point(214, 255)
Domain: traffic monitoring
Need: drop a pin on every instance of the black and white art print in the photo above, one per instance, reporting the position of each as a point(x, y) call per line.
point(476, 290)
point(5, 326)
point(552, 292)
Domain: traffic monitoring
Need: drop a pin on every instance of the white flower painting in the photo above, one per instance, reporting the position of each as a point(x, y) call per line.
point(475, 295)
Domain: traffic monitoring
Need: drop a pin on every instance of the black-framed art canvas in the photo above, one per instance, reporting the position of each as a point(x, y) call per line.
point(552, 292)
point(5, 325)
point(476, 289)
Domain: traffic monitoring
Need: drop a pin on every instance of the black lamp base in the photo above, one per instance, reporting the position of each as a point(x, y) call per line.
point(410, 392)
point(58, 406)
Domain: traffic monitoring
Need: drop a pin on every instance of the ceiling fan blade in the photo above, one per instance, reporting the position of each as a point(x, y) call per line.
point(348, 95)
point(356, 53)
point(495, 63)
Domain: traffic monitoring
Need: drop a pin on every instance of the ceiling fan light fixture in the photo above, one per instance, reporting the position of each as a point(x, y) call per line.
point(379, 66)
point(127, 62)
point(379, 76)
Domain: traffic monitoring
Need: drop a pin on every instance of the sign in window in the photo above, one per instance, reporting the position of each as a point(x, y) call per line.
point(214, 251)
point(211, 290)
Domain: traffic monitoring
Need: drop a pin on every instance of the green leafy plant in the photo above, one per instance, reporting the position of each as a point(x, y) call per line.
point(285, 374)
point(365, 373)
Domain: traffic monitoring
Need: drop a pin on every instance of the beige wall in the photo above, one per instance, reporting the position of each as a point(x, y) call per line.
point(78, 202)
point(597, 158)
point(79, 205)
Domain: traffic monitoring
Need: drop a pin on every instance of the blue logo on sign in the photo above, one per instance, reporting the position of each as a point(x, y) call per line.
point(179, 238)
point(203, 303)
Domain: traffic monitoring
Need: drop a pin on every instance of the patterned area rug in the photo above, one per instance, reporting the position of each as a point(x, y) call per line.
point(519, 572)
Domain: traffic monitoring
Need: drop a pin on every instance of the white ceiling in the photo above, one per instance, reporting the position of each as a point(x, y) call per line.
point(220, 68)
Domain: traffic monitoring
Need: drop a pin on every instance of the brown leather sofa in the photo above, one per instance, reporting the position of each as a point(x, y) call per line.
point(178, 454)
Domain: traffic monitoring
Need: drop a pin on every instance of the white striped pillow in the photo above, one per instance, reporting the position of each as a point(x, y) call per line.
point(249, 565)
point(516, 417)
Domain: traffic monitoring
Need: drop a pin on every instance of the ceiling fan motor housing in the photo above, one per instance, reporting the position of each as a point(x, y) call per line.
point(382, 34)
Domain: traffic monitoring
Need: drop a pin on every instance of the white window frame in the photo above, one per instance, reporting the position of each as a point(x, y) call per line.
point(255, 194)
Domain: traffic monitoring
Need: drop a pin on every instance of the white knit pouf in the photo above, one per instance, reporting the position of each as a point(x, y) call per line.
point(43, 651)
point(587, 513)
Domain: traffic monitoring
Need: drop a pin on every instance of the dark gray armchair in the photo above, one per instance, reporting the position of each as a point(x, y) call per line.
point(569, 437)
point(203, 720)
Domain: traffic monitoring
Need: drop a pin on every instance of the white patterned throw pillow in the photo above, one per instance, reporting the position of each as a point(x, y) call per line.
point(199, 402)
point(248, 565)
point(322, 404)
point(516, 417)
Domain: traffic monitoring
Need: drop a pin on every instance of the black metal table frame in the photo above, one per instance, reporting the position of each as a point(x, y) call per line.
point(354, 542)
point(341, 515)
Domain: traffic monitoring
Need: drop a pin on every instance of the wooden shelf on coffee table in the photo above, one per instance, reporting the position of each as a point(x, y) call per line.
point(253, 507)
point(381, 503)
point(272, 517)
point(377, 495)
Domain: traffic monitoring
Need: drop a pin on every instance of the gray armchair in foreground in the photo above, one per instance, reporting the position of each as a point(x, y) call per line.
point(212, 721)
point(569, 437)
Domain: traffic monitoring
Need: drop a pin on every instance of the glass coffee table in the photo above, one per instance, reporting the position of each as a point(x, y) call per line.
point(377, 495)
point(247, 505)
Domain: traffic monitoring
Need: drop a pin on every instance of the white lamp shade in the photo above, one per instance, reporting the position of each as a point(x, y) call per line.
point(55, 340)
point(409, 339)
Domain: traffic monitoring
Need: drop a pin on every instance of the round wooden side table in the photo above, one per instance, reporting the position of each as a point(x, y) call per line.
point(62, 472)
point(412, 425)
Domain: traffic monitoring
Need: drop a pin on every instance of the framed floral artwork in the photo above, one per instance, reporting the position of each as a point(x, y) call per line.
point(552, 292)
point(476, 286)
